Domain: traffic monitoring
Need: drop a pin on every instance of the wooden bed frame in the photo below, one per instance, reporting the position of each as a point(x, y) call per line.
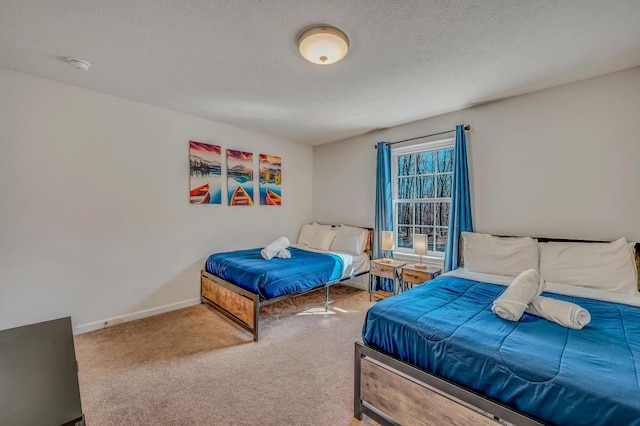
point(243, 307)
point(393, 392)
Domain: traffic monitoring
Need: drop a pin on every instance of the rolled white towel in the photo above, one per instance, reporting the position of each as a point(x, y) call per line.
point(565, 313)
point(284, 254)
point(274, 247)
point(514, 300)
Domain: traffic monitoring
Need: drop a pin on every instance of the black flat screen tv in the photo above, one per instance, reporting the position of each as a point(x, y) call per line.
point(39, 375)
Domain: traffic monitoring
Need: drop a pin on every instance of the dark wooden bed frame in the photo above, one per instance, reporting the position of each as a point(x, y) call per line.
point(393, 392)
point(243, 307)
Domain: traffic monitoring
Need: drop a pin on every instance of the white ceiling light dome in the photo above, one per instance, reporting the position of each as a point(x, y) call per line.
point(323, 45)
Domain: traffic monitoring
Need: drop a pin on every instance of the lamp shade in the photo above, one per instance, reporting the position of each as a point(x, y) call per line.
point(387, 240)
point(323, 45)
point(420, 243)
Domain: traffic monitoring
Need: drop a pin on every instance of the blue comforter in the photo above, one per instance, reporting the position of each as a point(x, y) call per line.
point(559, 375)
point(276, 277)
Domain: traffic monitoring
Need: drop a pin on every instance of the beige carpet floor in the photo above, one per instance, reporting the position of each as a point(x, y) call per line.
point(193, 367)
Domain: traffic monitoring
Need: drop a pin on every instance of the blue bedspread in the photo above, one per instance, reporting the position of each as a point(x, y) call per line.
point(559, 375)
point(276, 277)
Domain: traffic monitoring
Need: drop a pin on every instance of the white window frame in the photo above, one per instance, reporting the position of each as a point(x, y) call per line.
point(395, 152)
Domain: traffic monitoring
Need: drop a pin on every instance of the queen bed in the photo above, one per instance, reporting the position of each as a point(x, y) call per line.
point(438, 354)
point(239, 283)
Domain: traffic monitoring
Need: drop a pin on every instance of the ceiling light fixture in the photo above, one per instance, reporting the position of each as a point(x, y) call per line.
point(79, 64)
point(323, 45)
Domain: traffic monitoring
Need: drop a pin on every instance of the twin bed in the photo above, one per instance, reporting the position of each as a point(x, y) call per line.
point(239, 283)
point(437, 354)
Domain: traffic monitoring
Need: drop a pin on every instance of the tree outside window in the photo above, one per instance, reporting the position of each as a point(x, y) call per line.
point(422, 194)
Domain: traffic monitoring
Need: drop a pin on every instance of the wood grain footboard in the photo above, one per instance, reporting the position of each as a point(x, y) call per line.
point(236, 303)
point(395, 393)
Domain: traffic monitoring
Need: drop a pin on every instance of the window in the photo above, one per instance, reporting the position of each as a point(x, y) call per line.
point(422, 176)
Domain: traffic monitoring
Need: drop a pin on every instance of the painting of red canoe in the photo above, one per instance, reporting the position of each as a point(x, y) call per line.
point(241, 198)
point(205, 173)
point(240, 178)
point(270, 180)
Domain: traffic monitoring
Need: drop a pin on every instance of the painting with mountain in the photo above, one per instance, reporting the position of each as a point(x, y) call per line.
point(205, 173)
point(270, 180)
point(240, 177)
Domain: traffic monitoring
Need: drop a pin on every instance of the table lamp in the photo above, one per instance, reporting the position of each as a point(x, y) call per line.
point(387, 243)
point(420, 242)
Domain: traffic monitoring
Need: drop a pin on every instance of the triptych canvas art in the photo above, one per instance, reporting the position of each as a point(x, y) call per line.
point(206, 180)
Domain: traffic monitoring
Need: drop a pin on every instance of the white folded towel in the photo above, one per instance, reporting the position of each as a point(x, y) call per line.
point(514, 300)
point(284, 254)
point(566, 314)
point(274, 248)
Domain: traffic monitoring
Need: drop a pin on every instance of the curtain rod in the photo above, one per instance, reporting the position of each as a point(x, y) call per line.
point(467, 127)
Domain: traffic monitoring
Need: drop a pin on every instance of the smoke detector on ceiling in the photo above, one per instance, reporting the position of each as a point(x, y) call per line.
point(79, 64)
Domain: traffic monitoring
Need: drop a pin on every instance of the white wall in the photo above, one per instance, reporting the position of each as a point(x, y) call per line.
point(95, 220)
point(563, 162)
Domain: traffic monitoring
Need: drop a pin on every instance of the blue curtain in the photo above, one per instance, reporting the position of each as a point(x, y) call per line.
point(460, 212)
point(384, 205)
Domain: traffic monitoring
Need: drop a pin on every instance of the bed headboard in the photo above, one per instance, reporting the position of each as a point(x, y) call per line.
point(636, 251)
point(636, 255)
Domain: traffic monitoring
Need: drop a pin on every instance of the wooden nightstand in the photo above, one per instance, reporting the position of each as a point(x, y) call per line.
point(384, 268)
point(412, 275)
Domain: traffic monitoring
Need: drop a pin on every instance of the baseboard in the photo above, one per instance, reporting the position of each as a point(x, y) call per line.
point(107, 322)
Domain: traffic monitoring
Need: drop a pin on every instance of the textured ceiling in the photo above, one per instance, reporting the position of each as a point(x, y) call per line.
point(236, 62)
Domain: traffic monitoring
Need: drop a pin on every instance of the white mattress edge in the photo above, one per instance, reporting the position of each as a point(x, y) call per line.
point(351, 264)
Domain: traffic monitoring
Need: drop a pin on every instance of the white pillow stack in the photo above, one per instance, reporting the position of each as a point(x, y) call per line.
point(604, 266)
point(343, 238)
point(308, 231)
point(322, 239)
point(350, 240)
point(499, 255)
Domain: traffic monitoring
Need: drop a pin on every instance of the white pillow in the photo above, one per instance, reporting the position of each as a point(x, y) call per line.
point(363, 236)
point(318, 225)
point(322, 239)
point(307, 233)
point(350, 240)
point(499, 255)
point(605, 266)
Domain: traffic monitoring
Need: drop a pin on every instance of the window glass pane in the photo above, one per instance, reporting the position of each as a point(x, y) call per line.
point(442, 214)
point(445, 160)
point(426, 162)
point(405, 237)
point(426, 187)
point(431, 162)
point(424, 230)
point(440, 239)
point(444, 186)
point(423, 176)
point(425, 214)
point(405, 213)
point(406, 164)
point(406, 188)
